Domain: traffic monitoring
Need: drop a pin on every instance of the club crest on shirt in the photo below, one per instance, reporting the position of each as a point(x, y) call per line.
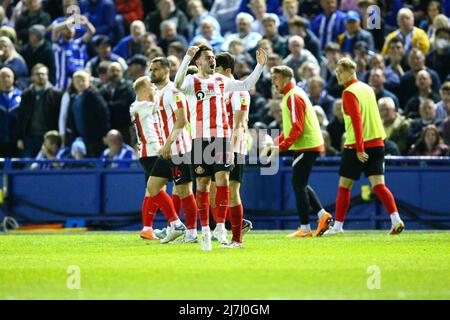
point(199, 170)
point(200, 95)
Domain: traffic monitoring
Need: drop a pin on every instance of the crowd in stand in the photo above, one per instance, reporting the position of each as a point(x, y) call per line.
point(67, 66)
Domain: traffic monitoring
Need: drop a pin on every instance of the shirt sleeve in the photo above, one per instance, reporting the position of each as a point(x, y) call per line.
point(297, 110)
point(351, 108)
point(177, 100)
point(247, 84)
point(240, 101)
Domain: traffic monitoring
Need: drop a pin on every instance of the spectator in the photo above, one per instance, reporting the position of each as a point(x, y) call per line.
point(270, 26)
point(408, 88)
point(427, 116)
point(102, 15)
point(147, 41)
point(237, 49)
point(176, 49)
point(367, 22)
point(319, 96)
point(397, 64)
point(425, 91)
point(439, 58)
point(446, 131)
point(290, 11)
point(391, 148)
point(10, 33)
point(330, 151)
point(336, 127)
point(225, 12)
point(258, 9)
point(103, 50)
point(433, 10)
point(131, 10)
point(208, 32)
point(154, 53)
point(330, 24)
point(441, 21)
point(443, 106)
point(244, 31)
point(169, 34)
point(264, 84)
point(361, 54)
point(69, 9)
point(321, 116)
point(241, 69)
point(354, 33)
point(102, 72)
point(198, 14)
point(430, 144)
point(119, 95)
point(34, 14)
point(9, 114)
point(39, 111)
point(117, 150)
point(174, 66)
point(412, 36)
point(298, 55)
point(39, 50)
point(395, 125)
point(328, 69)
point(52, 149)
point(137, 67)
point(131, 45)
point(377, 81)
point(166, 11)
point(307, 71)
point(298, 26)
point(4, 21)
point(70, 53)
point(88, 115)
point(11, 59)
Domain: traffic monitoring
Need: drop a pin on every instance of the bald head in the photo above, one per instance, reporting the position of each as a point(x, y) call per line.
point(6, 80)
point(115, 72)
point(296, 45)
point(387, 109)
point(137, 30)
point(114, 140)
point(405, 20)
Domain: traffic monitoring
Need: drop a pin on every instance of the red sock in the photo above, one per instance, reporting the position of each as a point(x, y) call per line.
point(386, 197)
point(342, 203)
point(236, 216)
point(163, 200)
point(222, 203)
point(214, 213)
point(176, 203)
point(203, 207)
point(228, 217)
point(190, 211)
point(149, 209)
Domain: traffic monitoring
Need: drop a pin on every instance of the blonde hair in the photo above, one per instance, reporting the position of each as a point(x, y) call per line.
point(82, 74)
point(285, 71)
point(140, 83)
point(347, 64)
point(440, 21)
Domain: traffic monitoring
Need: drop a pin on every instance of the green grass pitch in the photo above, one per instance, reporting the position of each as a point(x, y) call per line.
point(414, 265)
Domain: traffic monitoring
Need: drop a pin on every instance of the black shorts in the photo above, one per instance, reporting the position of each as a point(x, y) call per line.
point(237, 173)
point(174, 169)
point(148, 163)
point(302, 166)
point(209, 156)
point(351, 167)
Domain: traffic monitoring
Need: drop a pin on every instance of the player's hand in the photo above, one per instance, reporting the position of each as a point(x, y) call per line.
point(165, 152)
point(261, 56)
point(265, 151)
point(192, 51)
point(362, 156)
point(274, 152)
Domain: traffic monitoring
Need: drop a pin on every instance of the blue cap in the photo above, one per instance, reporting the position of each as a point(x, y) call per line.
point(353, 15)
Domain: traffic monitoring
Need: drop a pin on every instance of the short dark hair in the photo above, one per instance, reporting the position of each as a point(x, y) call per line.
point(201, 48)
point(285, 71)
point(225, 60)
point(177, 46)
point(440, 30)
point(163, 61)
point(298, 22)
point(332, 46)
point(39, 66)
point(395, 40)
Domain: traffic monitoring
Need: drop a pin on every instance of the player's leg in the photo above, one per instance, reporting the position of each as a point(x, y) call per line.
point(176, 201)
point(212, 198)
point(301, 171)
point(222, 205)
point(342, 205)
point(148, 208)
point(202, 197)
point(236, 211)
point(324, 218)
point(190, 211)
point(387, 199)
point(161, 174)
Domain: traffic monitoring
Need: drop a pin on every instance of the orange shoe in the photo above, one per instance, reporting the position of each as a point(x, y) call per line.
point(148, 235)
point(324, 224)
point(397, 229)
point(300, 234)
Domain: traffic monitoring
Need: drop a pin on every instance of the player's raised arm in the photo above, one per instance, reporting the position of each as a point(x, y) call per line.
point(180, 84)
point(247, 84)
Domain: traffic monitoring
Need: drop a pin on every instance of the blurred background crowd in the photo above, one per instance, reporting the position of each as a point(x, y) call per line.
point(67, 67)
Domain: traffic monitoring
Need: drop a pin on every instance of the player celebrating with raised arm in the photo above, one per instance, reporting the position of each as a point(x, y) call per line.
point(211, 150)
point(364, 146)
point(302, 138)
point(237, 105)
point(172, 118)
point(150, 142)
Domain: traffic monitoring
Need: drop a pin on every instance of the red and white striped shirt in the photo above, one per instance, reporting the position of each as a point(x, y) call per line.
point(170, 100)
point(147, 128)
point(238, 101)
